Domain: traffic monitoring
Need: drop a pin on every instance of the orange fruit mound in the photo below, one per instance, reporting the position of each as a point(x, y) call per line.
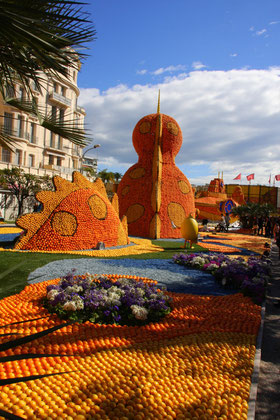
point(196, 362)
point(218, 248)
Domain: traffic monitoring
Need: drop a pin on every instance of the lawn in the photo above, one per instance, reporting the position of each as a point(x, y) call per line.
point(16, 266)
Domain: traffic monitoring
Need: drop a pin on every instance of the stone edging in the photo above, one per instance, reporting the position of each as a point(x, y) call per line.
point(256, 370)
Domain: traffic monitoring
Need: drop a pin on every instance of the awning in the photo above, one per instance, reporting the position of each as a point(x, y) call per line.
point(55, 154)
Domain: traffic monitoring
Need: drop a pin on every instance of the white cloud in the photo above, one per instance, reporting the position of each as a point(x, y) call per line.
point(197, 65)
point(274, 22)
point(141, 72)
point(230, 122)
point(261, 32)
point(234, 55)
point(169, 69)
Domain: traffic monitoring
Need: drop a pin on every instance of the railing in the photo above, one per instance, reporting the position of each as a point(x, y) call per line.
point(16, 133)
point(32, 139)
point(60, 99)
point(63, 170)
point(80, 109)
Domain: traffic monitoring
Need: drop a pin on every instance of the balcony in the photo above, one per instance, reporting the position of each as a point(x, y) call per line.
point(32, 139)
point(49, 167)
point(19, 135)
point(80, 110)
point(63, 169)
point(59, 99)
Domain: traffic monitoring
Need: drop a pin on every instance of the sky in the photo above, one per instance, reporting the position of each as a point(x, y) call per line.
point(217, 66)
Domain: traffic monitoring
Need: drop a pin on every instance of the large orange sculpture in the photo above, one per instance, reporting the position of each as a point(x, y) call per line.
point(154, 194)
point(76, 216)
point(214, 202)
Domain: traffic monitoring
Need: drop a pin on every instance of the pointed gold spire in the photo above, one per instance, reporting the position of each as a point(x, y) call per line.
point(158, 106)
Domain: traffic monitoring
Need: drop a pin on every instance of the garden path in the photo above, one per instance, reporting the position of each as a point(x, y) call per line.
point(268, 396)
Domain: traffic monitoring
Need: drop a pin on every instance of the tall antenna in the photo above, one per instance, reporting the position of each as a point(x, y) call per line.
point(158, 105)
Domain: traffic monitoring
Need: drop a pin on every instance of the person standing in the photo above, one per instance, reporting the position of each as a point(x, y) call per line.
point(260, 226)
point(276, 234)
point(227, 221)
point(267, 227)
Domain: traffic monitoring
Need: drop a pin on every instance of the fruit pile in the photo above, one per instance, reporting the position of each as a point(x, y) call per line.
point(196, 363)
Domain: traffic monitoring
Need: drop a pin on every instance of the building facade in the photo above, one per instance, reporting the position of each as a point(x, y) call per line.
point(37, 150)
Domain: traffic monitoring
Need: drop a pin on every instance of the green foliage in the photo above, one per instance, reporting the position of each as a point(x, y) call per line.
point(248, 212)
point(23, 185)
point(106, 176)
point(41, 37)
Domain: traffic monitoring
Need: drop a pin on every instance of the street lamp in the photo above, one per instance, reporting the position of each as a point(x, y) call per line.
point(91, 148)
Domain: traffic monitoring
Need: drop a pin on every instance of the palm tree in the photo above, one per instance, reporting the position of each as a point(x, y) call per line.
point(41, 38)
point(106, 176)
point(117, 176)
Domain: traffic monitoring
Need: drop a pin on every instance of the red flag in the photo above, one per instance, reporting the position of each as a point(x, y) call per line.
point(251, 176)
point(277, 177)
point(237, 177)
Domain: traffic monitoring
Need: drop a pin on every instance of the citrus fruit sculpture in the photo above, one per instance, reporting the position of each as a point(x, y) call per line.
point(189, 229)
point(154, 194)
point(77, 215)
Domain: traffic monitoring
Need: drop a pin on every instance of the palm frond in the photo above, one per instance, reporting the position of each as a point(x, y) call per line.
point(65, 129)
point(41, 35)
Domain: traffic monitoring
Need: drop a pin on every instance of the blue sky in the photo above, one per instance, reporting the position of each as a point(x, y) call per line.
point(217, 66)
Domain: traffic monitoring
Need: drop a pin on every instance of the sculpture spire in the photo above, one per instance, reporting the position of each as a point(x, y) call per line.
point(158, 106)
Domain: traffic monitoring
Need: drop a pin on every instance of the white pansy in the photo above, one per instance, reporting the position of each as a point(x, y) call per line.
point(69, 306)
point(213, 267)
point(125, 282)
point(73, 289)
point(139, 312)
point(52, 294)
point(140, 292)
point(113, 298)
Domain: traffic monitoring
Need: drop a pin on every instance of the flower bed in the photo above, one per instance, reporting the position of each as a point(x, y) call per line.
point(104, 300)
point(250, 242)
point(195, 362)
point(248, 276)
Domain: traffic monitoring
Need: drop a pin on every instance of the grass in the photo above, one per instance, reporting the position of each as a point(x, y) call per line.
point(16, 266)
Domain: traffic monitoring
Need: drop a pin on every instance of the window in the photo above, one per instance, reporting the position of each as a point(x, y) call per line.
point(51, 159)
point(32, 133)
point(10, 91)
point(19, 132)
point(59, 160)
point(21, 94)
point(18, 157)
point(61, 115)
point(31, 160)
point(54, 112)
point(63, 91)
point(55, 87)
point(6, 155)
point(52, 140)
point(59, 143)
point(8, 123)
